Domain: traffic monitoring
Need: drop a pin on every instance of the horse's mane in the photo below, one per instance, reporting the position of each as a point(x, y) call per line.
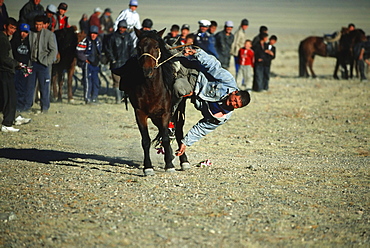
point(167, 67)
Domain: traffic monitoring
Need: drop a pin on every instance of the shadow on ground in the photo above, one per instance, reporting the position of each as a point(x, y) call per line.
point(64, 158)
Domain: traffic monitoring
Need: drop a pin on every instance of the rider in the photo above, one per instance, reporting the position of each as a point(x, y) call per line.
point(213, 91)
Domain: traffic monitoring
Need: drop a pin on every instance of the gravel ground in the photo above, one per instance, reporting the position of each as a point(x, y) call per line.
point(289, 170)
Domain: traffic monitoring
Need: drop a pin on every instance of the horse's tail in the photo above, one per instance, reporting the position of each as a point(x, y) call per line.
point(302, 60)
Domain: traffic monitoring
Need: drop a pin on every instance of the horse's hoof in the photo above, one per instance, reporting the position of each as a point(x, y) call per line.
point(170, 170)
point(185, 166)
point(149, 172)
point(71, 101)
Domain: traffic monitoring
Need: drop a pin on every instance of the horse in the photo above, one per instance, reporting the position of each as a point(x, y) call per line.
point(315, 45)
point(148, 80)
point(67, 40)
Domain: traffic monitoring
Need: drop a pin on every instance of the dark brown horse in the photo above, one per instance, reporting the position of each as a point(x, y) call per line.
point(148, 80)
point(343, 52)
point(67, 40)
point(312, 46)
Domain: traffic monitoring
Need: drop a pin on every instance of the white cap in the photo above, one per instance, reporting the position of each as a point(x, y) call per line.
point(229, 24)
point(204, 23)
point(52, 8)
point(98, 9)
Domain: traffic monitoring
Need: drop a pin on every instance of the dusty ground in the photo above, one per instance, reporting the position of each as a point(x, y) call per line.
point(289, 170)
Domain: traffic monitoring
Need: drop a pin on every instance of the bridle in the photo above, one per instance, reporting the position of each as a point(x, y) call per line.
point(157, 64)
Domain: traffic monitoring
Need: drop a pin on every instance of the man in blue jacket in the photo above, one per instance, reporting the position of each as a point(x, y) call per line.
point(213, 91)
point(88, 54)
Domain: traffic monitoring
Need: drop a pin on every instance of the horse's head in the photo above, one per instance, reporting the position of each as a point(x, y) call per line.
point(149, 50)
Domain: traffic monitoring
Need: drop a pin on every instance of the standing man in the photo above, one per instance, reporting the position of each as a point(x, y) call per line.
point(202, 38)
point(7, 69)
point(3, 15)
point(43, 54)
point(260, 62)
point(132, 18)
point(21, 52)
point(240, 37)
point(106, 21)
point(88, 54)
point(29, 11)
point(119, 49)
point(224, 40)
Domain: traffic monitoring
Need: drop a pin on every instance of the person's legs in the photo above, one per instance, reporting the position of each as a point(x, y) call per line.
point(258, 78)
point(44, 80)
point(85, 83)
point(20, 88)
point(95, 84)
point(117, 92)
point(266, 77)
point(237, 66)
point(248, 77)
point(9, 98)
point(31, 85)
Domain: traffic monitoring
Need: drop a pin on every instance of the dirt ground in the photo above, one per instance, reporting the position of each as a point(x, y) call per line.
point(289, 170)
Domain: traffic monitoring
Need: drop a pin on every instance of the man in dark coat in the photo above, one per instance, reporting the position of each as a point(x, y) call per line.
point(119, 49)
point(29, 11)
point(224, 40)
point(7, 69)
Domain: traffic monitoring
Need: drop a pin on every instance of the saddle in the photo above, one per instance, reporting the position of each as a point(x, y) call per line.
point(332, 43)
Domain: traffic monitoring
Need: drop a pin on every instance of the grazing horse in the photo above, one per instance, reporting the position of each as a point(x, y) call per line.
point(148, 80)
point(67, 40)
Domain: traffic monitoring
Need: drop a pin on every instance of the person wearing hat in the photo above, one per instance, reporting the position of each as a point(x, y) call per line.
point(132, 18)
point(94, 19)
point(84, 23)
point(224, 40)
point(106, 21)
point(202, 38)
point(43, 53)
point(120, 47)
point(51, 11)
point(185, 30)
point(147, 25)
point(29, 11)
point(240, 37)
point(62, 19)
point(173, 36)
point(88, 55)
point(22, 53)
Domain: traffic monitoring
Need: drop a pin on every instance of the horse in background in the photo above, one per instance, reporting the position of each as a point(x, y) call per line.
point(67, 40)
point(148, 80)
point(316, 45)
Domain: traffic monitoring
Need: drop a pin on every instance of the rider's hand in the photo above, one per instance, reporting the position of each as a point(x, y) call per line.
point(181, 150)
point(189, 51)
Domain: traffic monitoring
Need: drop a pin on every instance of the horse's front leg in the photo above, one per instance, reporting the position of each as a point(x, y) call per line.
point(142, 122)
point(179, 118)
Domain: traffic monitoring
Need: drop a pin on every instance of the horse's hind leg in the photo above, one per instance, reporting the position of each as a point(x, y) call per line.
point(310, 65)
point(142, 122)
point(54, 79)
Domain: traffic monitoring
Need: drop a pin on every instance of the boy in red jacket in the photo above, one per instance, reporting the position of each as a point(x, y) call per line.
point(244, 75)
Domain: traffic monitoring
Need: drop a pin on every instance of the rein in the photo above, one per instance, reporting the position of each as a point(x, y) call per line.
point(159, 56)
